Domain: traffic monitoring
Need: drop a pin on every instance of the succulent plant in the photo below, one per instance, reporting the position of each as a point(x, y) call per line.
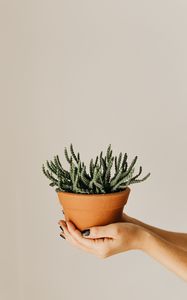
point(98, 180)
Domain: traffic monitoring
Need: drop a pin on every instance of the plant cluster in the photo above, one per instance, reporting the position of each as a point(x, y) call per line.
point(98, 179)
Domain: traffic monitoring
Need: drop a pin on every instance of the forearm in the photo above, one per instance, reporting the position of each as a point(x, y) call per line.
point(168, 254)
point(177, 238)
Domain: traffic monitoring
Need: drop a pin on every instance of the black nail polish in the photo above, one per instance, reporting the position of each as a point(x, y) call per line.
point(61, 228)
point(62, 236)
point(86, 232)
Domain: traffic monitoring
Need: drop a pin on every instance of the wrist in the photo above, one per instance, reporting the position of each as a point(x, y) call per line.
point(142, 238)
point(126, 218)
point(129, 219)
point(145, 240)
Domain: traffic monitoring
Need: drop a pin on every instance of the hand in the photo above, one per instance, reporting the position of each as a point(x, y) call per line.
point(104, 241)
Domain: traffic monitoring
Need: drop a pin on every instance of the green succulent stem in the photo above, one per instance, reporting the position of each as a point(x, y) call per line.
point(99, 180)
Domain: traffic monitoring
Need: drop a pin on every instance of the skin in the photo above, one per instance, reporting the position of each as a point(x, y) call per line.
point(177, 238)
point(168, 248)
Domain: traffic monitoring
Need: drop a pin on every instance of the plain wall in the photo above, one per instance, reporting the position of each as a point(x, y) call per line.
point(90, 73)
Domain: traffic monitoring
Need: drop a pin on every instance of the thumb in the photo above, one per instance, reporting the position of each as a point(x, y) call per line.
point(96, 232)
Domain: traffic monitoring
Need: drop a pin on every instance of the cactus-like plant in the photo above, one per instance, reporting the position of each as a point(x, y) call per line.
point(98, 180)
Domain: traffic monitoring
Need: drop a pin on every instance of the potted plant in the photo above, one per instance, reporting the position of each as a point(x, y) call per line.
point(95, 197)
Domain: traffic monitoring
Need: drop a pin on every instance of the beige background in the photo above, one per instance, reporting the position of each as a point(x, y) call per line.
point(90, 73)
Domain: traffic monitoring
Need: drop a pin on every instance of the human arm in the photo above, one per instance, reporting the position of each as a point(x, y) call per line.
point(166, 253)
point(105, 241)
point(177, 238)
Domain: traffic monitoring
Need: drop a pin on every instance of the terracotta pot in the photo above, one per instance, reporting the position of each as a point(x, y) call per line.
point(87, 210)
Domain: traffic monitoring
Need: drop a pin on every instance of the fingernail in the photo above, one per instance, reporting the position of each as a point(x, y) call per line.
point(86, 232)
point(62, 236)
point(61, 228)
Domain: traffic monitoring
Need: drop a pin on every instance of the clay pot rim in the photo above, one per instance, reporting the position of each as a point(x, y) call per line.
point(127, 189)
